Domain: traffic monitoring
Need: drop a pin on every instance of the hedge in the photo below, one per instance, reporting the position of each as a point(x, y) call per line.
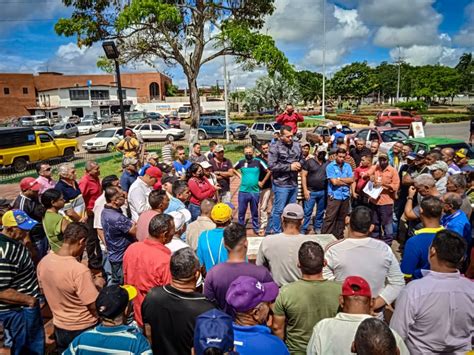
point(412, 106)
point(452, 119)
point(354, 119)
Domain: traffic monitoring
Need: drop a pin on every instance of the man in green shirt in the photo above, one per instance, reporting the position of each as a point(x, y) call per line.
point(303, 303)
point(249, 192)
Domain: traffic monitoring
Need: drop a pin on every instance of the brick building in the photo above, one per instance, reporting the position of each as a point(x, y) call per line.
point(19, 92)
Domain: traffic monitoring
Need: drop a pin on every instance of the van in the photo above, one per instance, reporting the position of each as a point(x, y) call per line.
point(34, 120)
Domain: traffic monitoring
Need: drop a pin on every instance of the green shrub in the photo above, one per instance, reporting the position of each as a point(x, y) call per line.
point(449, 119)
point(418, 106)
point(354, 119)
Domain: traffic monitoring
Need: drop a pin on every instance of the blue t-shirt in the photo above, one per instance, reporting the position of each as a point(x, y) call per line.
point(181, 168)
point(335, 136)
point(257, 339)
point(333, 171)
point(415, 253)
point(116, 227)
point(127, 179)
point(69, 192)
point(175, 205)
point(121, 339)
point(458, 223)
point(211, 250)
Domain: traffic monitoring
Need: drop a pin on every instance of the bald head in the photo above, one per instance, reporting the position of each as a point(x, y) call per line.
point(447, 154)
point(206, 207)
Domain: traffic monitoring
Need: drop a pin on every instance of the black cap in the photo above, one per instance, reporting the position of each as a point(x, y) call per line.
point(5, 202)
point(167, 178)
point(165, 168)
point(113, 300)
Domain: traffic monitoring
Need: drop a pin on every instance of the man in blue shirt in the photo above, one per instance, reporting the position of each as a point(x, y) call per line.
point(129, 174)
point(180, 196)
point(211, 249)
point(415, 255)
point(340, 178)
point(456, 220)
point(181, 165)
point(112, 336)
point(250, 299)
point(336, 135)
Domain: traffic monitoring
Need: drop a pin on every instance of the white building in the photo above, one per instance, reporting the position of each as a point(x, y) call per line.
point(98, 100)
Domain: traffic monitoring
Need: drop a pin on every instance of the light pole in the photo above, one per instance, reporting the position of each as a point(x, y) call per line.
point(227, 129)
point(111, 52)
point(323, 104)
point(399, 61)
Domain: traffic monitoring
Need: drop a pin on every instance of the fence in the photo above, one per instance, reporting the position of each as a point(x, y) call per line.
point(8, 175)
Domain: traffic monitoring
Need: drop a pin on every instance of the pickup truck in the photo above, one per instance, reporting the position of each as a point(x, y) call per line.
point(21, 146)
point(213, 126)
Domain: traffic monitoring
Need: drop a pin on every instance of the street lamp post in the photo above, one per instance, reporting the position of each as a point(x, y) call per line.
point(111, 52)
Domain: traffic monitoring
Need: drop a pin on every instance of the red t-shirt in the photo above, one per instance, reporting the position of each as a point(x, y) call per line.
point(146, 265)
point(290, 120)
point(360, 182)
point(91, 190)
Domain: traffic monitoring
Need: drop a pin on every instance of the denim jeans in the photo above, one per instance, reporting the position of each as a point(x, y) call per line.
point(317, 198)
point(246, 198)
point(283, 196)
point(42, 245)
point(382, 218)
point(117, 273)
point(23, 329)
point(195, 211)
point(107, 268)
point(65, 337)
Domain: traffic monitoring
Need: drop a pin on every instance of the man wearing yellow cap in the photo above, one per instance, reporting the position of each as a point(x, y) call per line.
point(211, 250)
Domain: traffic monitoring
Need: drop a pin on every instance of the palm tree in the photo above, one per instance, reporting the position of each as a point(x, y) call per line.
point(465, 62)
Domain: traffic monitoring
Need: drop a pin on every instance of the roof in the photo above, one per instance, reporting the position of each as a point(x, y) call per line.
point(432, 141)
point(68, 86)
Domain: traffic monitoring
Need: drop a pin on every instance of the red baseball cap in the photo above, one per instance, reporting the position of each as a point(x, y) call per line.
point(153, 171)
point(29, 183)
point(356, 286)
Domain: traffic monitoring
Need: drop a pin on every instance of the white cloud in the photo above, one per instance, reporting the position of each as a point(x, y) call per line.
point(421, 55)
point(465, 37)
point(423, 34)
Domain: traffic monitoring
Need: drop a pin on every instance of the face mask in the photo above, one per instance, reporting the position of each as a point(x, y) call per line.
point(249, 156)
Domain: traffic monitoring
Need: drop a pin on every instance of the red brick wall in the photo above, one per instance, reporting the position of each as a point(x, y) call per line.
point(14, 104)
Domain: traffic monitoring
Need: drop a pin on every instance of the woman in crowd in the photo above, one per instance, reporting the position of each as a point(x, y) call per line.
point(200, 189)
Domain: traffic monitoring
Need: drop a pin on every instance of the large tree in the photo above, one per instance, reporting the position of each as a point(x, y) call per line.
point(465, 67)
point(309, 84)
point(186, 33)
point(355, 80)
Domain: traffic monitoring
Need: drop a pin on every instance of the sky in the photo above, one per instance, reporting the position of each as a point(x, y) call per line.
point(417, 31)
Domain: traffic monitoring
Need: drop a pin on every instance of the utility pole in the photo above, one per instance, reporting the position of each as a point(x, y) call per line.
point(399, 62)
point(323, 104)
point(227, 129)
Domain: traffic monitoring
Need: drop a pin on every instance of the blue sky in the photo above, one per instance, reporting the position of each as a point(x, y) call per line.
point(422, 31)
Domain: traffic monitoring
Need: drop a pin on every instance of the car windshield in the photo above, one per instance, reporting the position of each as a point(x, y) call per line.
point(59, 126)
point(85, 123)
point(393, 136)
point(106, 134)
point(164, 126)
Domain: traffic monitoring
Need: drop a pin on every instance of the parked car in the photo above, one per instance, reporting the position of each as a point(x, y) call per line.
point(116, 120)
point(66, 130)
point(429, 143)
point(324, 130)
point(386, 137)
point(74, 119)
point(215, 127)
point(396, 118)
point(184, 112)
point(134, 118)
point(263, 131)
point(105, 119)
point(21, 146)
point(89, 127)
point(46, 129)
point(158, 131)
point(104, 141)
point(33, 120)
point(155, 116)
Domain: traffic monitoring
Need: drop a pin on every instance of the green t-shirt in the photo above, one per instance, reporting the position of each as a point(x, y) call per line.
point(304, 303)
point(250, 170)
point(52, 227)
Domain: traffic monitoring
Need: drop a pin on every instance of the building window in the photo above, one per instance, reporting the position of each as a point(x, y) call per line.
point(6, 91)
point(78, 94)
point(100, 95)
point(154, 91)
point(25, 91)
point(124, 94)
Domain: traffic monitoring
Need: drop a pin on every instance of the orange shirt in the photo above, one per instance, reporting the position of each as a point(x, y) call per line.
point(390, 181)
point(146, 265)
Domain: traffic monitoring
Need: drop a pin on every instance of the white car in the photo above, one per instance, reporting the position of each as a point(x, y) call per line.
point(89, 127)
point(104, 141)
point(158, 131)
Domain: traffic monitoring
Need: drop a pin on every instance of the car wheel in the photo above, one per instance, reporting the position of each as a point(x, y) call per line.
point(201, 135)
point(20, 165)
point(170, 137)
point(68, 154)
point(388, 124)
point(90, 131)
point(110, 147)
point(77, 134)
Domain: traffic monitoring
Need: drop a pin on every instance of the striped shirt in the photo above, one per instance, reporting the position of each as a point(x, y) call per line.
point(121, 339)
point(16, 270)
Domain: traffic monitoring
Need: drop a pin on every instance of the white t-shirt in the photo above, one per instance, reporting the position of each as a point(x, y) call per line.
point(138, 198)
point(176, 244)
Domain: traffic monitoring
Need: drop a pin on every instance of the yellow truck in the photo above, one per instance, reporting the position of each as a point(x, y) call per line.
point(22, 146)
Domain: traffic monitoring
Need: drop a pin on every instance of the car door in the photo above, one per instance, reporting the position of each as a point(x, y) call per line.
point(395, 118)
point(363, 134)
point(214, 127)
point(406, 118)
point(145, 131)
point(48, 148)
point(158, 132)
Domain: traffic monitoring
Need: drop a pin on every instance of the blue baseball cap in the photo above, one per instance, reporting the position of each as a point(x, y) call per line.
point(411, 156)
point(213, 329)
point(18, 218)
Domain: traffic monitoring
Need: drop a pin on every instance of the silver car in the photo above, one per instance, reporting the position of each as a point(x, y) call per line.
point(263, 131)
point(66, 130)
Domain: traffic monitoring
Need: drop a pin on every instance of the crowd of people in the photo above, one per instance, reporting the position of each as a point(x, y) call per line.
point(363, 251)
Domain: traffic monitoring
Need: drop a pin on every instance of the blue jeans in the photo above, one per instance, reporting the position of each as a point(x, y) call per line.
point(382, 219)
point(246, 198)
point(42, 245)
point(107, 268)
point(283, 196)
point(117, 273)
point(317, 198)
point(195, 211)
point(24, 332)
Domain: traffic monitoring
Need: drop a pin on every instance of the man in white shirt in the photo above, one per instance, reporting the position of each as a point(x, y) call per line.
point(435, 314)
point(335, 335)
point(279, 252)
point(370, 258)
point(181, 218)
point(140, 189)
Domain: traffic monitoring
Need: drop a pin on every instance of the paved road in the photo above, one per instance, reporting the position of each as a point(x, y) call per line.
point(459, 130)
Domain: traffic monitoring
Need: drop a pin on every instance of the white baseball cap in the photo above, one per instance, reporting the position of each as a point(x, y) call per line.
point(180, 217)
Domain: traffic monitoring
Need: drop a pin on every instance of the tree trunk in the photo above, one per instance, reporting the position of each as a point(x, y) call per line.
point(195, 102)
